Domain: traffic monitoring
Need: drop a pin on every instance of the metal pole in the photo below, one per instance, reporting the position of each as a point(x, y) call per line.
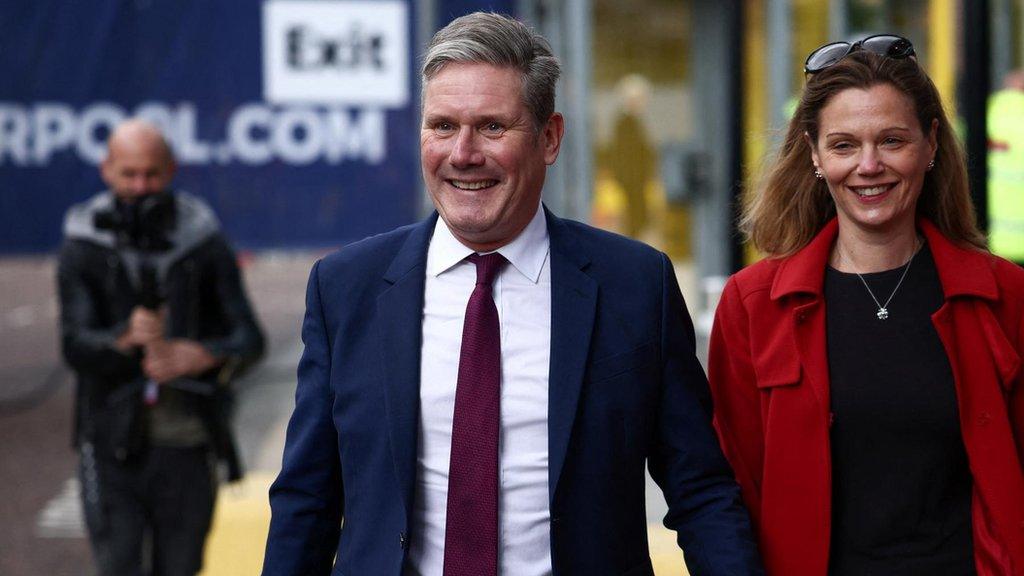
point(735, 46)
point(426, 25)
point(548, 16)
point(974, 90)
point(718, 120)
point(577, 109)
point(780, 75)
point(567, 26)
point(1002, 39)
point(1020, 26)
point(838, 20)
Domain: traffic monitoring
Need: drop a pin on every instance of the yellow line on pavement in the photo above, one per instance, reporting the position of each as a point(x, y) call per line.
point(242, 517)
point(239, 531)
point(665, 554)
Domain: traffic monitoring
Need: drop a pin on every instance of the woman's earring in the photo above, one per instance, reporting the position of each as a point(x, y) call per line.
point(818, 175)
point(931, 164)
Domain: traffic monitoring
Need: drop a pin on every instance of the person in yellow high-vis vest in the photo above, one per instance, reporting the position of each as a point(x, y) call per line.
point(1006, 168)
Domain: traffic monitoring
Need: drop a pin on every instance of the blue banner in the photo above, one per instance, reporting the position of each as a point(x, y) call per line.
point(296, 119)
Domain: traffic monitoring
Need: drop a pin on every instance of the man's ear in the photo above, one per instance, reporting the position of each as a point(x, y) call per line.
point(107, 172)
point(551, 137)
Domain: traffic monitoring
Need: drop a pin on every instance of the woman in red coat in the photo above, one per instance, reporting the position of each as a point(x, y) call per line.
point(867, 375)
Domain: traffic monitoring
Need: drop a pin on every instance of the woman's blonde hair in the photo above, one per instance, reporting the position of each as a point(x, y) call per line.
point(791, 206)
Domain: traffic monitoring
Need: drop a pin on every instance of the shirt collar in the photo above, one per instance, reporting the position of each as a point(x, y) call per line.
point(526, 252)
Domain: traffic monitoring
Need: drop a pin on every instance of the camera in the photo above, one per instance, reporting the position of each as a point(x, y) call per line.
point(143, 224)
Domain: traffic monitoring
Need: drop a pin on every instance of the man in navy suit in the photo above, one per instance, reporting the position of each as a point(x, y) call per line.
point(480, 392)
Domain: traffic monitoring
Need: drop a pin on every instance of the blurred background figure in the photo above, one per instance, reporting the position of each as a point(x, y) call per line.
point(632, 157)
point(1006, 168)
point(155, 324)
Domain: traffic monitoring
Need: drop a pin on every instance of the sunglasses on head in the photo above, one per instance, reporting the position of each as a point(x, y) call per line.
point(888, 45)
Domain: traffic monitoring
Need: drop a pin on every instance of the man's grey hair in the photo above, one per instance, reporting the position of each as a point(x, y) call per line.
point(499, 40)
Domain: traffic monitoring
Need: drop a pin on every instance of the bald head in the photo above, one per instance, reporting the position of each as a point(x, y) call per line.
point(139, 161)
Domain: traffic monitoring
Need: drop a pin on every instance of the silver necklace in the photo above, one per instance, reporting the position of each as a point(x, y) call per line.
point(883, 309)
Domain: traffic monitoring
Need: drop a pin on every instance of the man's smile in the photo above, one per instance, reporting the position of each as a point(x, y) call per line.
point(473, 184)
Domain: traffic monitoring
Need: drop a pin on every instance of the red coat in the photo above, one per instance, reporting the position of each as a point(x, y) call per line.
point(769, 377)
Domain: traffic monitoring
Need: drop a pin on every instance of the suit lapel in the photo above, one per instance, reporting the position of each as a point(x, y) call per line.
point(399, 326)
point(573, 305)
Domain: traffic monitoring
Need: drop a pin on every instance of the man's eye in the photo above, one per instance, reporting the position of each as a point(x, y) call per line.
point(493, 127)
point(444, 126)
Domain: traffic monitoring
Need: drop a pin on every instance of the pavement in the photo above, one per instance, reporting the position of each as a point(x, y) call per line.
point(41, 530)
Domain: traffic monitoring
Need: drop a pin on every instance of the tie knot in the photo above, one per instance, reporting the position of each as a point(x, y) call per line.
point(487, 266)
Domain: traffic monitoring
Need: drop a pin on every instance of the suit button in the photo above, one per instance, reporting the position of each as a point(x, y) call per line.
point(556, 519)
point(402, 540)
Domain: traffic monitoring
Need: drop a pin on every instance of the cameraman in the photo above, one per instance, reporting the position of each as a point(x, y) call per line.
point(155, 323)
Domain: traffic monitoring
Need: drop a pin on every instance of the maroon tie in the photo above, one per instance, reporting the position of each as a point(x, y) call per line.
point(471, 533)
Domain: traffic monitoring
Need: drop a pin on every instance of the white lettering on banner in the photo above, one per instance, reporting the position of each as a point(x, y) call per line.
point(54, 129)
point(14, 131)
point(190, 150)
point(297, 136)
point(345, 140)
point(160, 115)
point(255, 134)
point(92, 147)
point(241, 133)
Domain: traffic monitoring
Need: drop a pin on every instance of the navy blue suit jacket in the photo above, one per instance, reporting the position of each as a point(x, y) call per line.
point(625, 390)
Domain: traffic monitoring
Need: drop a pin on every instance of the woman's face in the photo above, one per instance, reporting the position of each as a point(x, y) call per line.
point(873, 155)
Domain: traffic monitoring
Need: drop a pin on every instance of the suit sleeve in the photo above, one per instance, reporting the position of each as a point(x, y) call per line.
point(306, 500)
point(704, 504)
point(737, 401)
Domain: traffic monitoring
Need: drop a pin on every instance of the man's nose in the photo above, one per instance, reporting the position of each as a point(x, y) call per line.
point(466, 150)
point(137, 184)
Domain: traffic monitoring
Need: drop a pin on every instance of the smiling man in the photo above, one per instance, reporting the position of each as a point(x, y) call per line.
point(480, 392)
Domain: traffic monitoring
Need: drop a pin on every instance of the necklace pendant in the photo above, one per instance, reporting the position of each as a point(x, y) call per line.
point(882, 314)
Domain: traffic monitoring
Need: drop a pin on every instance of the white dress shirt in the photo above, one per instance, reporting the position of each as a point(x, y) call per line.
point(522, 295)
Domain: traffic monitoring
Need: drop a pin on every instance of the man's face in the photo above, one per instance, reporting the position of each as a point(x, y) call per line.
point(136, 166)
point(483, 158)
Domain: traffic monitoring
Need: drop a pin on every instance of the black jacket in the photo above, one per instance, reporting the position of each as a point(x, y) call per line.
point(99, 286)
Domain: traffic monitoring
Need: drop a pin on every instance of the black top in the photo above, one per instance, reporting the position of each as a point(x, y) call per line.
point(901, 486)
